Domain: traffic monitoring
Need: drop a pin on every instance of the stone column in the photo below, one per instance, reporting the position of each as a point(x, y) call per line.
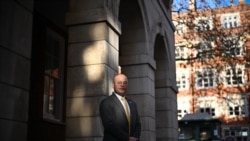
point(15, 61)
point(92, 62)
point(140, 71)
point(166, 106)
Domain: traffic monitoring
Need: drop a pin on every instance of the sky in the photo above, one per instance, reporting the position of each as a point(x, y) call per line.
point(201, 4)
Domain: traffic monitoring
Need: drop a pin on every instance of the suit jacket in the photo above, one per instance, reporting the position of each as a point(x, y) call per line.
point(114, 119)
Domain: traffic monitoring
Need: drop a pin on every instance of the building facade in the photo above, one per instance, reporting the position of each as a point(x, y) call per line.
point(57, 60)
point(212, 53)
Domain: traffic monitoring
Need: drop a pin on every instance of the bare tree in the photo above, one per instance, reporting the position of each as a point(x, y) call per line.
point(213, 35)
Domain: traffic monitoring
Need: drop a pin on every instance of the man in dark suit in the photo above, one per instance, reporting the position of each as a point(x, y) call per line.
point(119, 126)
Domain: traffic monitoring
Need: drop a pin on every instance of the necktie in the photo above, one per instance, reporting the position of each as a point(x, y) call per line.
point(127, 111)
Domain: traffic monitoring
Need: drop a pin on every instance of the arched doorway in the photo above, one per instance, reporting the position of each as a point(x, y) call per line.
point(136, 59)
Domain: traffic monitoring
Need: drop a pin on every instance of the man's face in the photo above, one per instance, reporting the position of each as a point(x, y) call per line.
point(120, 84)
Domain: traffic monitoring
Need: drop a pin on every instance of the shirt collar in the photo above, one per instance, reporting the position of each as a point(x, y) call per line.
point(118, 96)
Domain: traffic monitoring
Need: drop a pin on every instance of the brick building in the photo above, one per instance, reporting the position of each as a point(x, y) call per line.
point(212, 67)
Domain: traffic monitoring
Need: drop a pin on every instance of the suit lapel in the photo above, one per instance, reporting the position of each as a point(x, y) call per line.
point(131, 107)
point(118, 104)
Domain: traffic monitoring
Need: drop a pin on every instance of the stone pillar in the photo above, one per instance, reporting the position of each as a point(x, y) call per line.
point(140, 71)
point(15, 56)
point(92, 62)
point(166, 106)
point(166, 102)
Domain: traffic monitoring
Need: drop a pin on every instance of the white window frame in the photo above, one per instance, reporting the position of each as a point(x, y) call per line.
point(237, 110)
point(203, 48)
point(54, 77)
point(230, 71)
point(209, 110)
point(240, 101)
point(183, 106)
point(180, 27)
point(182, 79)
point(230, 20)
point(181, 51)
point(181, 113)
point(204, 81)
point(236, 44)
point(208, 105)
point(203, 24)
point(235, 131)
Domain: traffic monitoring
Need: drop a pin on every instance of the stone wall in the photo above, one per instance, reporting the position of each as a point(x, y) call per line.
point(15, 55)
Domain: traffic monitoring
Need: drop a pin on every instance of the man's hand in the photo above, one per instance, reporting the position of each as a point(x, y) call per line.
point(133, 139)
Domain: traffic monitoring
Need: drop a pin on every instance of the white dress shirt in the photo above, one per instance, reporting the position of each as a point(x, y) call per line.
point(120, 99)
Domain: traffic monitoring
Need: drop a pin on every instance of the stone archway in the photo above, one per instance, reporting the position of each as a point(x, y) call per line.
point(101, 37)
point(138, 64)
point(146, 59)
point(165, 97)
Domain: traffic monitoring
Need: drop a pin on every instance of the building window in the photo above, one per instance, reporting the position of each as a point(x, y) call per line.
point(209, 110)
point(183, 106)
point(237, 111)
point(204, 50)
point(205, 78)
point(182, 77)
point(235, 75)
point(238, 132)
point(226, 132)
point(207, 105)
point(203, 24)
point(53, 76)
point(230, 20)
point(244, 132)
point(237, 106)
point(233, 47)
point(180, 27)
point(181, 113)
point(181, 52)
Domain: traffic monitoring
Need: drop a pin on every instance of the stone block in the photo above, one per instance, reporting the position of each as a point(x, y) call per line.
point(165, 104)
point(84, 127)
point(83, 5)
point(133, 35)
point(135, 48)
point(164, 119)
point(15, 70)
point(145, 104)
point(13, 130)
point(148, 123)
point(94, 16)
point(99, 52)
point(165, 92)
point(93, 32)
point(138, 71)
point(88, 80)
point(148, 135)
point(83, 106)
point(15, 18)
point(137, 60)
point(166, 133)
point(13, 103)
point(142, 85)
